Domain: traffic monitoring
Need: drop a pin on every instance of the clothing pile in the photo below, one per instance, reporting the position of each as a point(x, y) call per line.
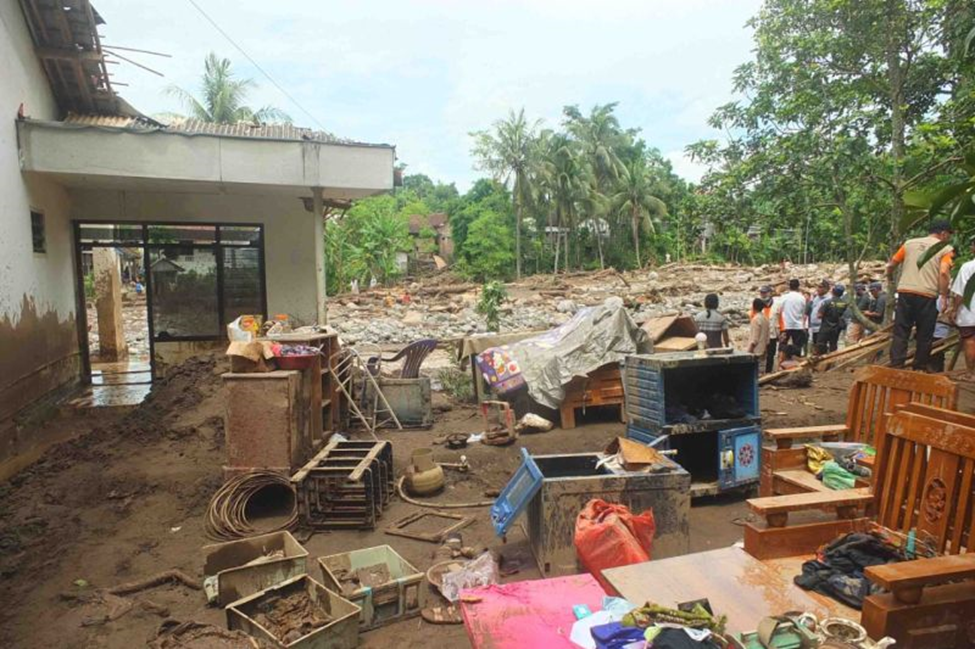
point(837, 570)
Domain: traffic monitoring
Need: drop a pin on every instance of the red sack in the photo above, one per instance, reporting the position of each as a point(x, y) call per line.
point(609, 535)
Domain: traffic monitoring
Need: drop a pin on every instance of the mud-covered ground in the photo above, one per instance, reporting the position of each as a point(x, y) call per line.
point(126, 499)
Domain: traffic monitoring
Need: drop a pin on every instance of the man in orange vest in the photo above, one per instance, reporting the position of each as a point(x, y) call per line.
point(918, 292)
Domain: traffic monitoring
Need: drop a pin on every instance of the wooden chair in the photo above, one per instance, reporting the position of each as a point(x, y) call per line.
point(876, 391)
point(925, 484)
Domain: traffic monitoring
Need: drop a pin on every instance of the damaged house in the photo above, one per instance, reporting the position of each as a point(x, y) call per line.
point(226, 218)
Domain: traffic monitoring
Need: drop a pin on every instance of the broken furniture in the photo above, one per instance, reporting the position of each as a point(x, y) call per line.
point(924, 493)
point(409, 399)
point(454, 522)
point(671, 333)
point(499, 423)
point(347, 365)
point(601, 387)
point(702, 405)
point(735, 584)
point(875, 393)
point(240, 568)
point(328, 406)
point(292, 607)
point(535, 613)
point(267, 420)
point(382, 583)
point(347, 484)
point(555, 488)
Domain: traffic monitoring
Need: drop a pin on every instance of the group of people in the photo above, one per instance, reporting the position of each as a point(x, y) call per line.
point(787, 326)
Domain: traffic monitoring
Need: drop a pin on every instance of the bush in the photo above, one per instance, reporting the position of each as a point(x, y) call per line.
point(457, 383)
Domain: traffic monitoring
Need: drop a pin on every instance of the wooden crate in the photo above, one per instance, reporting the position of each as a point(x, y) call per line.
point(603, 387)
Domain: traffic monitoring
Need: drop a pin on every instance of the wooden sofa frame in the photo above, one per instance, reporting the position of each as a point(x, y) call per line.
point(876, 391)
point(924, 484)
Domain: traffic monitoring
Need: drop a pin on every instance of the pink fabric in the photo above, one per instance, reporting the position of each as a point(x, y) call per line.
point(524, 614)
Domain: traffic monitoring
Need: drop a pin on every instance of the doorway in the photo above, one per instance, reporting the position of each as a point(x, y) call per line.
point(149, 290)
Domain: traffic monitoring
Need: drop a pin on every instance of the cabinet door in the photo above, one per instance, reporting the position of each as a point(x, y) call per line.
point(514, 498)
point(739, 456)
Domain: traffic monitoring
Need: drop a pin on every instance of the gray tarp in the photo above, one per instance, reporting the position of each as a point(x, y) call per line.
point(594, 336)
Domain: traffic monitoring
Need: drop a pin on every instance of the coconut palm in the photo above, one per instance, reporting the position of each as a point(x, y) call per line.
point(223, 97)
point(565, 177)
point(508, 153)
point(634, 199)
point(599, 135)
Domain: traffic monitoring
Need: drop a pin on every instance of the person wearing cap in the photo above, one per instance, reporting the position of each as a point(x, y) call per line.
point(813, 310)
point(918, 292)
point(854, 330)
point(878, 303)
point(832, 314)
point(963, 314)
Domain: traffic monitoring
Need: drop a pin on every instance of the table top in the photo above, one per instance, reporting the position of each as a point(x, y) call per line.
point(735, 583)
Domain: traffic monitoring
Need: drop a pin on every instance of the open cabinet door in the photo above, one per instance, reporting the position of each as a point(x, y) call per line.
point(516, 495)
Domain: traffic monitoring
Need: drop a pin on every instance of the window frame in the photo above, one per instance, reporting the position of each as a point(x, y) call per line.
point(42, 217)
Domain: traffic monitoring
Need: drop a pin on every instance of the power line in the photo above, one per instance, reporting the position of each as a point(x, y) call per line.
point(255, 64)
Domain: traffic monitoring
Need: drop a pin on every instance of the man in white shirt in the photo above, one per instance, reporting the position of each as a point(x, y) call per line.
point(792, 318)
point(963, 315)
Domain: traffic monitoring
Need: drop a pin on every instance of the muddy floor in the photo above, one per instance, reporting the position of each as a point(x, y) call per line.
point(126, 499)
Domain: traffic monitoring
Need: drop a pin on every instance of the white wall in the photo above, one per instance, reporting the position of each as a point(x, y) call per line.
point(39, 346)
point(290, 255)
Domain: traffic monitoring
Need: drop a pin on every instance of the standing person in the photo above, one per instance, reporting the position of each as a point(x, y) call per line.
point(918, 293)
point(758, 340)
point(813, 310)
point(832, 316)
point(963, 314)
point(712, 323)
point(771, 313)
point(878, 303)
point(792, 318)
point(855, 330)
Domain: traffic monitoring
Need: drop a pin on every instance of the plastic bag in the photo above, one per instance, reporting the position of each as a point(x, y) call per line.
point(482, 571)
point(609, 535)
point(244, 329)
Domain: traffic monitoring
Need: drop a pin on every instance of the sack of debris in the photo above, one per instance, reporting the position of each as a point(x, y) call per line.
point(609, 535)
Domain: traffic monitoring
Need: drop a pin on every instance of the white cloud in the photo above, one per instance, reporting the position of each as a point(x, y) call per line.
point(685, 167)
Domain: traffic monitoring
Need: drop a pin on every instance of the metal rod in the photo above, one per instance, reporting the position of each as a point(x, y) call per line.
point(135, 49)
point(138, 65)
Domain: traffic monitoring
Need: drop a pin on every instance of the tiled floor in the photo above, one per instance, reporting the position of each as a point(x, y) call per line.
point(121, 384)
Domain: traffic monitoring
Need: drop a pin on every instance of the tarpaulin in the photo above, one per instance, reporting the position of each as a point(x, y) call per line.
point(593, 337)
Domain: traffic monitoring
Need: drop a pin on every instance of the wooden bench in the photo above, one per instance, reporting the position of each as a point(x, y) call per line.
point(603, 387)
point(876, 392)
point(925, 484)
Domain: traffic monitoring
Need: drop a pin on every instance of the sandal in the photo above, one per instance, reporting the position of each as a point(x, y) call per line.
point(442, 615)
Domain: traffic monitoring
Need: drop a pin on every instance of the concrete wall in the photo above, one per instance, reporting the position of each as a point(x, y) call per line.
point(290, 233)
point(38, 338)
point(346, 171)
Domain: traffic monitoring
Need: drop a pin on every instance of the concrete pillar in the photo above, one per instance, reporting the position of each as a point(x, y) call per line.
point(108, 304)
point(317, 208)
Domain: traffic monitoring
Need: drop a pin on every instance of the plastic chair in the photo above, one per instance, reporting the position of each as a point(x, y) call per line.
point(413, 354)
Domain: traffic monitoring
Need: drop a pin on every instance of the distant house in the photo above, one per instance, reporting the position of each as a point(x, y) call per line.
point(439, 224)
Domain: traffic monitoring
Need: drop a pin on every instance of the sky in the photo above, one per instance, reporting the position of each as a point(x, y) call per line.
point(423, 74)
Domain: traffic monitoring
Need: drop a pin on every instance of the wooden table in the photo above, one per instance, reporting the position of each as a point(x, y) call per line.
point(736, 585)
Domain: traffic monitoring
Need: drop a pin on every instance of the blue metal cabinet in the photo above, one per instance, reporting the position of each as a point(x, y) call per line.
point(739, 451)
point(516, 495)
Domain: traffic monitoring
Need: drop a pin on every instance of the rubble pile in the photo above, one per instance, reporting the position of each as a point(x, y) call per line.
point(431, 308)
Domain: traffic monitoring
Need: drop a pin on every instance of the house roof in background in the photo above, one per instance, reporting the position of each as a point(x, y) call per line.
point(418, 221)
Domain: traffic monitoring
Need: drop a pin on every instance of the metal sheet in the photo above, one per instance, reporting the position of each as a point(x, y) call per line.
point(516, 495)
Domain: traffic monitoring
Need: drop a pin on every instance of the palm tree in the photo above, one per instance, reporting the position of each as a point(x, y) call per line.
point(566, 180)
point(508, 153)
point(600, 135)
point(223, 97)
point(634, 199)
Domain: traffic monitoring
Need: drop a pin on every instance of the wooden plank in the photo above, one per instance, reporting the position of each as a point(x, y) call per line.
point(917, 470)
point(855, 408)
point(805, 431)
point(948, 437)
point(941, 619)
point(924, 572)
point(890, 463)
point(943, 414)
point(899, 486)
point(813, 500)
point(858, 435)
point(735, 583)
point(961, 512)
point(802, 479)
point(777, 542)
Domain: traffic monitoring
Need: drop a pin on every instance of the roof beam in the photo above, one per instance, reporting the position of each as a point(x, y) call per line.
point(66, 54)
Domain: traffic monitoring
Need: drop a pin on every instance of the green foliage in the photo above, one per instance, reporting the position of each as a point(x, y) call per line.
point(364, 243)
point(493, 295)
point(488, 251)
point(223, 96)
point(457, 383)
point(90, 287)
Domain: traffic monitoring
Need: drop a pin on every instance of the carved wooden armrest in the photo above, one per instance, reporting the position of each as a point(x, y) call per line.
point(907, 579)
point(776, 509)
point(783, 437)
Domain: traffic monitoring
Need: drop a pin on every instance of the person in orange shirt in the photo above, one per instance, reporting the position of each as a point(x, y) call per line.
point(918, 292)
